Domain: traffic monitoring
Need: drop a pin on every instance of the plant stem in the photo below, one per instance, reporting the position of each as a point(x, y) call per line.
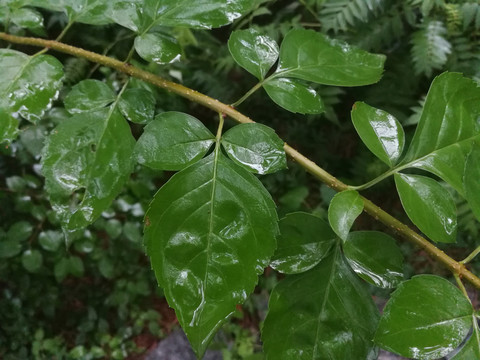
point(376, 212)
point(247, 95)
point(462, 287)
point(471, 256)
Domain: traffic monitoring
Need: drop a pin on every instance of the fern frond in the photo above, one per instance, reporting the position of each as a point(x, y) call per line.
point(454, 17)
point(465, 56)
point(427, 6)
point(470, 13)
point(430, 48)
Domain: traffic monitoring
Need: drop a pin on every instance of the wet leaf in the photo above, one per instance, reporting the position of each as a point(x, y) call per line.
point(137, 105)
point(447, 129)
point(207, 244)
point(29, 19)
point(20, 231)
point(429, 205)
point(51, 240)
point(75, 158)
point(255, 147)
point(303, 242)
point(253, 51)
point(88, 95)
point(29, 83)
point(472, 180)
point(172, 141)
point(294, 96)
point(426, 318)
point(344, 208)
point(312, 56)
point(471, 349)
point(93, 12)
point(159, 48)
point(32, 260)
point(375, 257)
point(379, 131)
point(8, 127)
point(324, 313)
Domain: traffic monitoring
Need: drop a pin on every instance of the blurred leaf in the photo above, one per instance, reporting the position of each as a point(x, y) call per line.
point(173, 141)
point(294, 96)
point(20, 231)
point(344, 208)
point(159, 48)
point(255, 147)
point(113, 228)
point(253, 51)
point(426, 318)
point(303, 242)
point(132, 232)
point(429, 206)
point(294, 198)
point(32, 260)
point(207, 244)
point(50, 240)
point(472, 180)
point(324, 313)
point(9, 248)
point(375, 257)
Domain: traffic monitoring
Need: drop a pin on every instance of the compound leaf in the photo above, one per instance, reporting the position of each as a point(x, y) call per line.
point(172, 141)
point(375, 257)
point(254, 52)
point(312, 56)
point(207, 243)
point(303, 242)
point(324, 313)
point(426, 318)
point(255, 147)
point(344, 208)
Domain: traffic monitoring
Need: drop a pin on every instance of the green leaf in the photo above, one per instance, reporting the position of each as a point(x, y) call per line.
point(344, 208)
point(429, 205)
point(93, 12)
point(324, 313)
point(88, 95)
point(471, 349)
point(173, 141)
point(29, 19)
point(8, 127)
point(159, 48)
point(447, 128)
point(472, 180)
point(379, 131)
point(207, 243)
point(375, 257)
point(255, 147)
point(20, 231)
point(294, 96)
point(32, 260)
point(90, 153)
point(140, 16)
point(426, 318)
point(50, 240)
point(29, 83)
point(113, 228)
point(75, 266)
point(9, 248)
point(312, 56)
point(253, 51)
point(137, 105)
point(303, 242)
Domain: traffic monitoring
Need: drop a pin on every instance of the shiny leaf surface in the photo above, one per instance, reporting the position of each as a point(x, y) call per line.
point(344, 208)
point(159, 48)
point(255, 147)
point(447, 128)
point(375, 257)
point(172, 141)
point(29, 19)
point(253, 51)
point(303, 242)
point(426, 318)
point(379, 131)
point(429, 206)
point(472, 180)
point(8, 127)
point(294, 96)
point(137, 105)
point(312, 56)
point(88, 95)
point(91, 154)
point(325, 313)
point(29, 83)
point(207, 243)
point(471, 349)
point(94, 12)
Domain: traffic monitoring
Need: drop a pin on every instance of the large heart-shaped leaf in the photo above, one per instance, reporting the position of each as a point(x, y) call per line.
point(312, 56)
point(426, 318)
point(303, 242)
point(379, 131)
point(429, 206)
point(375, 257)
point(90, 153)
point(255, 147)
point(344, 208)
point(472, 180)
point(29, 83)
point(253, 51)
point(207, 243)
point(173, 141)
point(324, 313)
